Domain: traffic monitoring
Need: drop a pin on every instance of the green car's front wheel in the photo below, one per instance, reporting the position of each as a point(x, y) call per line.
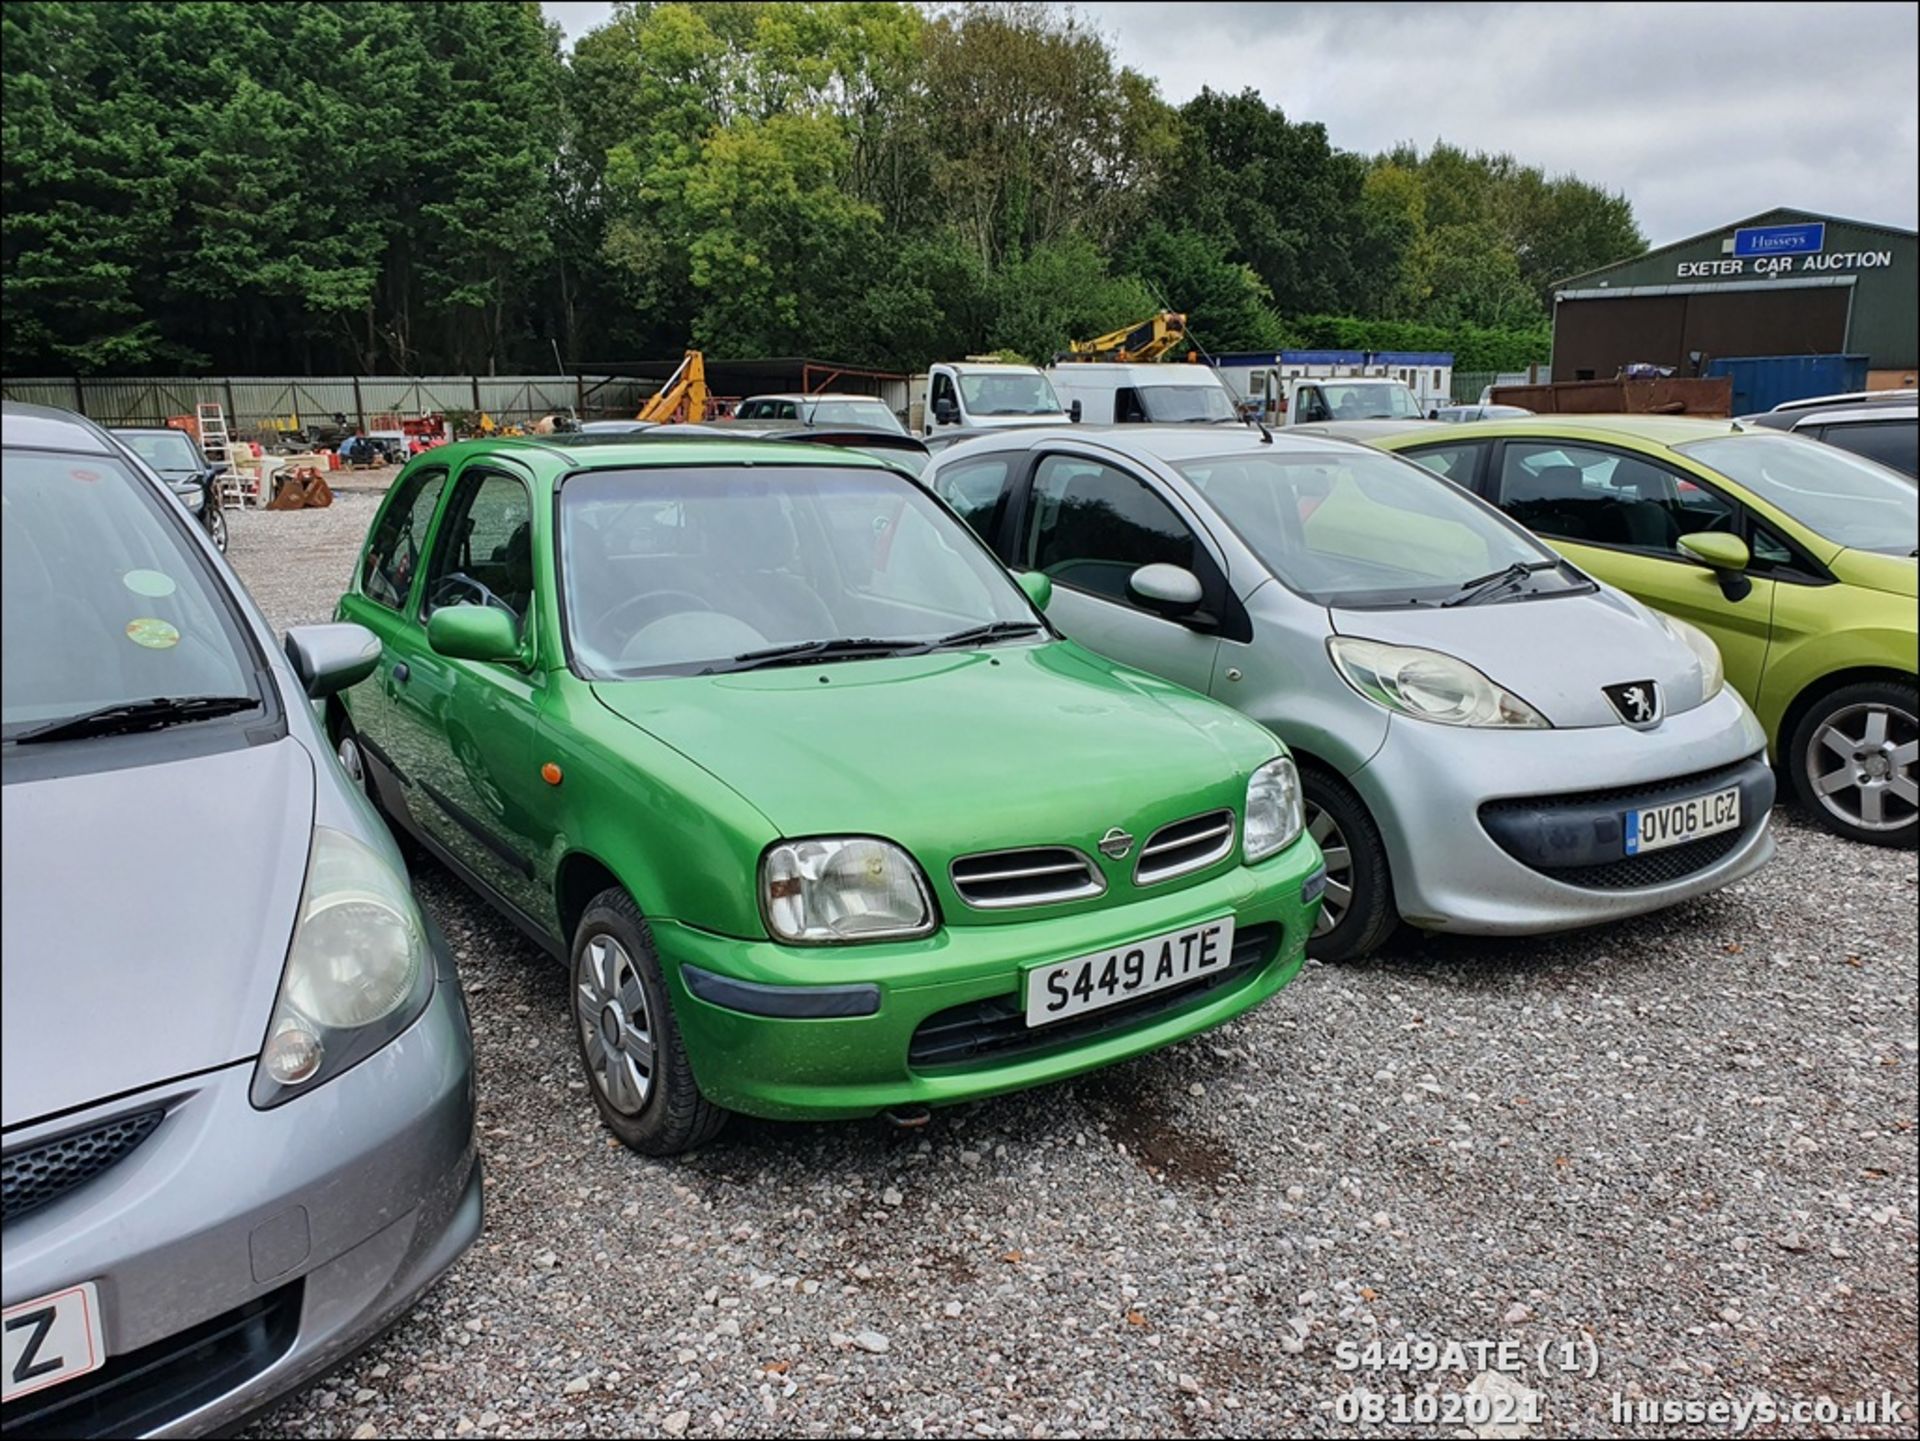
point(630, 1046)
point(1853, 759)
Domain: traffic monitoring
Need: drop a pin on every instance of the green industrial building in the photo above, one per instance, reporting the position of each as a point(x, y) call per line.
point(1783, 283)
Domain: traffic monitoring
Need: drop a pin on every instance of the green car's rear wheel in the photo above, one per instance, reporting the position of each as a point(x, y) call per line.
point(1853, 762)
point(630, 1047)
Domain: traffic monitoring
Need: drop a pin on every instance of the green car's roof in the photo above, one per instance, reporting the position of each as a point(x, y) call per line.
point(1667, 430)
point(585, 452)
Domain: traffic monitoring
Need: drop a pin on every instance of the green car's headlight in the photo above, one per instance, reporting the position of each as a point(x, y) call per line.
point(1274, 816)
point(829, 889)
point(1428, 685)
point(358, 973)
point(1713, 670)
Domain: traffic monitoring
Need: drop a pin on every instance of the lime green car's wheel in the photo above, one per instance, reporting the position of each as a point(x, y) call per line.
point(1855, 762)
point(630, 1048)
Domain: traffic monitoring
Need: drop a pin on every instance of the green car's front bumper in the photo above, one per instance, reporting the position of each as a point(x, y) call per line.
point(843, 1043)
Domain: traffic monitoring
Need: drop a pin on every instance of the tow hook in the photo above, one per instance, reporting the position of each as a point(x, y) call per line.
point(907, 1118)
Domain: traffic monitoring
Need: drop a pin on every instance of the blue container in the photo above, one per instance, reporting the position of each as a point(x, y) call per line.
point(1760, 382)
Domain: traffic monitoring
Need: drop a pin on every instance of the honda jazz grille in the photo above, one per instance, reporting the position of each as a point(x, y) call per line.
point(1031, 876)
point(35, 1175)
point(1183, 847)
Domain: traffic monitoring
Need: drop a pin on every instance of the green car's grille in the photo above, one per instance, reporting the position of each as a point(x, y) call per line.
point(996, 1029)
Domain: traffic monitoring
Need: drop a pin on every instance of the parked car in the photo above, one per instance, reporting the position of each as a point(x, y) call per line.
point(614, 427)
point(1488, 740)
point(805, 791)
point(1785, 415)
point(1460, 414)
point(989, 395)
point(238, 1075)
point(1106, 393)
point(174, 455)
point(839, 411)
point(1796, 557)
point(1889, 434)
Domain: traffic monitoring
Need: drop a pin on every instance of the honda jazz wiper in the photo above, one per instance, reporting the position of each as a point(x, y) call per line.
point(139, 715)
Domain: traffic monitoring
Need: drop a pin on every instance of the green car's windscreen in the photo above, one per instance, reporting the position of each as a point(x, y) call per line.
point(1353, 529)
point(676, 569)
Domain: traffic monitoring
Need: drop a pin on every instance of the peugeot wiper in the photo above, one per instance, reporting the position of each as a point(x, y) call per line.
point(139, 715)
point(992, 630)
point(843, 648)
point(1483, 586)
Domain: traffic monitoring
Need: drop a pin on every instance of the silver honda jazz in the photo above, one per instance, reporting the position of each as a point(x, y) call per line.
point(238, 1074)
point(1489, 740)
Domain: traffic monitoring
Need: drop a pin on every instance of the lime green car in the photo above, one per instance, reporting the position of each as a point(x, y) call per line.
point(824, 817)
point(1796, 557)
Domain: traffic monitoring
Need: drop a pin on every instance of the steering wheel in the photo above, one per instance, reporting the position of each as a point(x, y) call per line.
point(447, 590)
point(634, 602)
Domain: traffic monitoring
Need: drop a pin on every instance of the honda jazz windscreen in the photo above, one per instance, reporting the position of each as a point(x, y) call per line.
point(1356, 530)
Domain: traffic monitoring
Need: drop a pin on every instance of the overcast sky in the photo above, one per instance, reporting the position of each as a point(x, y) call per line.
point(1701, 114)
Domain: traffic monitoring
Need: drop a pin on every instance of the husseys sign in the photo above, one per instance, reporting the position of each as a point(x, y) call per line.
point(1782, 249)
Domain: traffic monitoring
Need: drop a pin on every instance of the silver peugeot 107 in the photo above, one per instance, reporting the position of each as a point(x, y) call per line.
point(238, 1073)
point(1489, 740)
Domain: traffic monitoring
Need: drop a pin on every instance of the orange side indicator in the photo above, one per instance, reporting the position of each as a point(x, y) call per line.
point(550, 773)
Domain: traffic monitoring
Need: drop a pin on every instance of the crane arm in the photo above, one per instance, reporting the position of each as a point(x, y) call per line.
point(1148, 340)
point(683, 397)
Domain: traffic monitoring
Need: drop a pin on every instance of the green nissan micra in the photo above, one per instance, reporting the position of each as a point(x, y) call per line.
point(824, 817)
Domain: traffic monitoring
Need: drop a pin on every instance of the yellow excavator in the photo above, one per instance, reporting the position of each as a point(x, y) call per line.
point(1149, 340)
point(683, 397)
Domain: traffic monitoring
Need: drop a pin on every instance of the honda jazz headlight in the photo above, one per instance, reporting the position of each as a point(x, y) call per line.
point(1273, 814)
point(358, 973)
point(831, 889)
point(1713, 670)
point(1428, 685)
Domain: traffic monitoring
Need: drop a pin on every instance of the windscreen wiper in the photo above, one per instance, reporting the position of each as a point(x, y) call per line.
point(843, 648)
point(1481, 587)
point(992, 630)
point(139, 715)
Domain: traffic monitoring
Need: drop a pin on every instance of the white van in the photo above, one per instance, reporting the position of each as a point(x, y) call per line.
point(1164, 392)
point(981, 395)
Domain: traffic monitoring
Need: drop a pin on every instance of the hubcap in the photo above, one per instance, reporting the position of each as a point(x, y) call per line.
point(1861, 765)
point(350, 762)
point(1339, 858)
point(614, 1026)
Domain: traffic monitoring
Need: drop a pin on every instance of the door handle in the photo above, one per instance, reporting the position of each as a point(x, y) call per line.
point(401, 675)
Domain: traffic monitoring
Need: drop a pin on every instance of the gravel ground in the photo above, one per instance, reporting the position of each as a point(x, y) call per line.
point(1687, 1142)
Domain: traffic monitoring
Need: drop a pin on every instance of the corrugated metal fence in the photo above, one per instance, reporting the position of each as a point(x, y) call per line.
point(256, 403)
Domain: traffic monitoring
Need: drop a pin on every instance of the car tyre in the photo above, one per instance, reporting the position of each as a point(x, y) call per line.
point(1852, 762)
point(630, 1049)
point(217, 525)
point(1357, 915)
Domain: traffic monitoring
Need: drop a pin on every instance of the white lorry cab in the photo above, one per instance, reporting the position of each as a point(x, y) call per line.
point(1311, 400)
point(1156, 392)
point(982, 395)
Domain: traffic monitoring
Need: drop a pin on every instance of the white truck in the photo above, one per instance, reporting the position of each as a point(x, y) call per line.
point(1153, 392)
point(987, 395)
point(1311, 399)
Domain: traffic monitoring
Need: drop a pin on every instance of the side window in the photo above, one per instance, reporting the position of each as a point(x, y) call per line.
point(977, 491)
point(1602, 497)
point(1456, 463)
point(784, 410)
point(1092, 527)
point(483, 554)
point(394, 552)
point(749, 410)
point(1127, 409)
point(1894, 443)
point(943, 389)
point(1312, 405)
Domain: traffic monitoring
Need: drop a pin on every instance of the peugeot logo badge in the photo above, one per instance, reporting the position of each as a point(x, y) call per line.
point(1637, 702)
point(1115, 844)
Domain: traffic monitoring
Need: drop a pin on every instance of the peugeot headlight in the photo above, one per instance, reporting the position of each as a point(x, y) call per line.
point(1273, 814)
point(1713, 670)
point(831, 889)
point(1428, 685)
point(358, 973)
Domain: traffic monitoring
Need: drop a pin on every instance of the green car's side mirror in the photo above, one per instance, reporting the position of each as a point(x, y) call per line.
point(1726, 555)
point(1039, 587)
point(1719, 550)
point(473, 632)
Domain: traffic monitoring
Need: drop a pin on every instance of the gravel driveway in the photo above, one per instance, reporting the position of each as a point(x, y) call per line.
point(1686, 1145)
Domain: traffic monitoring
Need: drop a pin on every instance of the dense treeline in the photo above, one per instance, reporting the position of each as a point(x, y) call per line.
point(384, 187)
